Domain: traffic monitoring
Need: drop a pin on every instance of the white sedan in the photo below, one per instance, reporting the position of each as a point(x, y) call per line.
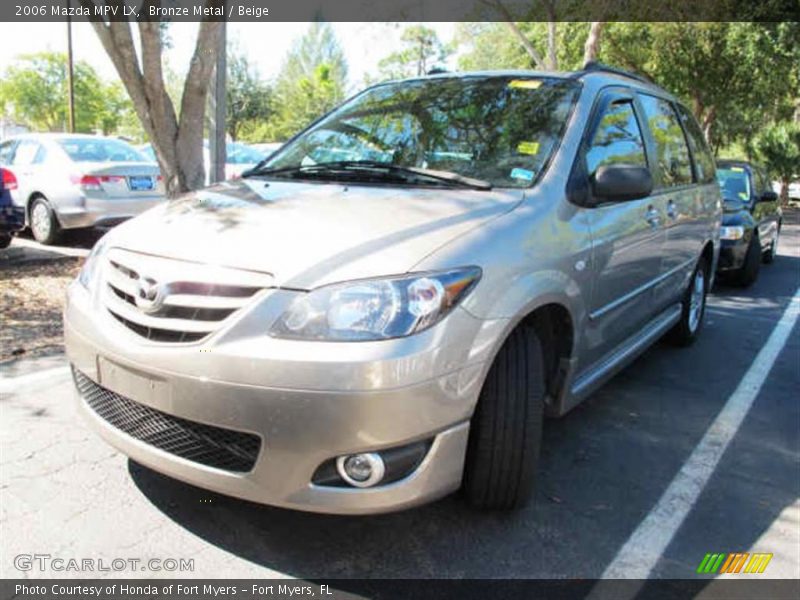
point(68, 181)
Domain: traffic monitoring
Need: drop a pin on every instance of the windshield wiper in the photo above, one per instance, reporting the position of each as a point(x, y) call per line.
point(374, 168)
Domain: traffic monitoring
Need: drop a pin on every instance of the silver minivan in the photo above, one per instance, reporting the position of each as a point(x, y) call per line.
point(385, 310)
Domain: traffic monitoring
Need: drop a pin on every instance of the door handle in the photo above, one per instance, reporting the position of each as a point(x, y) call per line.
point(672, 210)
point(652, 216)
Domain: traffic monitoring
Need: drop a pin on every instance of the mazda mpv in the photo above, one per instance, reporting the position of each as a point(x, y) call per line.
point(384, 311)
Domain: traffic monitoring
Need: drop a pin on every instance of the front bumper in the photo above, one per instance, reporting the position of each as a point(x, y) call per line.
point(305, 410)
point(732, 254)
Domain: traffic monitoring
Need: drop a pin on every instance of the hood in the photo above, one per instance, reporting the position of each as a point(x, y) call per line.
point(309, 234)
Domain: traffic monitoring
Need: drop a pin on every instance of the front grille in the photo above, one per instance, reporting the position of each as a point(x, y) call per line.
point(189, 301)
point(205, 444)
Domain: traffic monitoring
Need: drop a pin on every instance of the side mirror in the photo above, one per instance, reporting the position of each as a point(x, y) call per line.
point(617, 183)
point(768, 196)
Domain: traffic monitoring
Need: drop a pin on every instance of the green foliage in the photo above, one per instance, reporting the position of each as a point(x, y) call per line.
point(736, 77)
point(311, 82)
point(249, 100)
point(778, 147)
point(34, 92)
point(493, 46)
point(422, 50)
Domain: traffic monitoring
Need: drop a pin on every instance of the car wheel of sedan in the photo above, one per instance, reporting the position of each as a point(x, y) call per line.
point(693, 308)
point(44, 224)
point(769, 255)
point(5, 240)
point(506, 429)
point(747, 275)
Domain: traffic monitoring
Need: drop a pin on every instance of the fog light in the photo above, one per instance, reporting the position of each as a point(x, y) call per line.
point(361, 470)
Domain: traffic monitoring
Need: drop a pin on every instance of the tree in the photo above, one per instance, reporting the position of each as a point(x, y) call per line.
point(311, 82)
point(422, 49)
point(736, 77)
point(249, 99)
point(543, 46)
point(778, 146)
point(177, 136)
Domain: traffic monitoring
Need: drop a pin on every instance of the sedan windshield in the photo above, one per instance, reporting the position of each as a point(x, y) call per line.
point(100, 150)
point(498, 130)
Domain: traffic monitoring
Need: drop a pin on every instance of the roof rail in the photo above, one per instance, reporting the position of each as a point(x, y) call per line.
point(598, 67)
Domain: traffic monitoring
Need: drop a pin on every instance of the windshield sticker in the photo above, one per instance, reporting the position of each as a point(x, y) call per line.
point(525, 84)
point(523, 174)
point(531, 148)
point(737, 169)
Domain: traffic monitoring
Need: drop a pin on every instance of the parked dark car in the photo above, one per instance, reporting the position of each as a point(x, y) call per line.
point(751, 221)
point(12, 218)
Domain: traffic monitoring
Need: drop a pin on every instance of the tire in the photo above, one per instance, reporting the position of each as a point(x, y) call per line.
point(769, 255)
point(43, 222)
point(748, 273)
point(693, 308)
point(506, 430)
point(5, 240)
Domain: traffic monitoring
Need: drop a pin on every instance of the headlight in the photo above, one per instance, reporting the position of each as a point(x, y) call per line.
point(375, 309)
point(91, 265)
point(731, 232)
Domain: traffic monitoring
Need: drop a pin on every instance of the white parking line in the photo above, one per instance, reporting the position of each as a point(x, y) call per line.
point(639, 555)
point(11, 384)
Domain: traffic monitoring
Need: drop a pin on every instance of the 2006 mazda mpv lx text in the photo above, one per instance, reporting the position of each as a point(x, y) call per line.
point(384, 310)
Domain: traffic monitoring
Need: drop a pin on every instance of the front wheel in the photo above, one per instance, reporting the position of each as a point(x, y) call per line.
point(748, 273)
point(506, 429)
point(5, 240)
point(769, 255)
point(693, 308)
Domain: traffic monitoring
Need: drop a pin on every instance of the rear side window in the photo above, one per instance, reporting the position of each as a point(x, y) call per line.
point(26, 153)
point(617, 140)
point(41, 155)
point(703, 161)
point(672, 152)
point(6, 152)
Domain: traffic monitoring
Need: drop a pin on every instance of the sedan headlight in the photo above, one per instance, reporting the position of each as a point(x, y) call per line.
point(91, 265)
point(376, 309)
point(731, 232)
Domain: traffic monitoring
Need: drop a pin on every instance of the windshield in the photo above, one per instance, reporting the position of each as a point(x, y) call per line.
point(734, 183)
point(498, 129)
point(100, 150)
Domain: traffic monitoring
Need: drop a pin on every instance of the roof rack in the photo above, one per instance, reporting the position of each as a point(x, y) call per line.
point(598, 67)
point(437, 71)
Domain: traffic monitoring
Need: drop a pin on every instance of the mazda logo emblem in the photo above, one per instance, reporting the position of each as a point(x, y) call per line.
point(149, 294)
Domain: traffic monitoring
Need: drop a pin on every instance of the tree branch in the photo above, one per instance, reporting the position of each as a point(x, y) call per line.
point(592, 42)
point(508, 19)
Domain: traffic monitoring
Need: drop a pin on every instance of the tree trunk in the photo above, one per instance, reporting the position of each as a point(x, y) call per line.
point(177, 142)
point(708, 122)
point(508, 19)
point(552, 45)
point(592, 42)
point(785, 181)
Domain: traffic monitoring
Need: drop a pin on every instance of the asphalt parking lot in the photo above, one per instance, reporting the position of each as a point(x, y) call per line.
point(65, 493)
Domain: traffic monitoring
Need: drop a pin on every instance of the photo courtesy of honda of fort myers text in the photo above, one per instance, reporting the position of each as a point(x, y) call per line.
point(410, 299)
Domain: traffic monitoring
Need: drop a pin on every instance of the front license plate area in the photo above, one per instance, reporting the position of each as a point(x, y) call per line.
point(134, 385)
